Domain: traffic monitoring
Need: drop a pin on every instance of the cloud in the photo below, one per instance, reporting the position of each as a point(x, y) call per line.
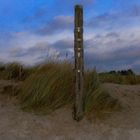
point(43, 51)
point(115, 19)
point(63, 44)
point(118, 50)
point(58, 23)
point(112, 21)
point(35, 54)
point(112, 35)
point(106, 51)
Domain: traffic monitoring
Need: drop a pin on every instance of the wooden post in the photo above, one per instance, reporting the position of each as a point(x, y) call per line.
point(79, 63)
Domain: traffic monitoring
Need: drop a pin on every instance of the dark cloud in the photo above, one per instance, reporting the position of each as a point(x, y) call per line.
point(59, 23)
point(114, 60)
point(39, 48)
point(64, 47)
point(112, 52)
point(112, 35)
point(37, 53)
point(63, 44)
point(125, 53)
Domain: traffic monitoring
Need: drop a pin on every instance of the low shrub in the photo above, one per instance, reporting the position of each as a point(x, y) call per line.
point(119, 79)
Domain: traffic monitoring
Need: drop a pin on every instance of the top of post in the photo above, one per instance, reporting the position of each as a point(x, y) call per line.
point(78, 6)
point(78, 15)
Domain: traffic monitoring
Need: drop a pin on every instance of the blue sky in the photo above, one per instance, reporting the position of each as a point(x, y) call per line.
point(33, 31)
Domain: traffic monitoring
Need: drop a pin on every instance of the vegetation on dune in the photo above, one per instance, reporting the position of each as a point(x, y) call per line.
point(15, 71)
point(2, 71)
point(123, 72)
point(97, 99)
point(2, 67)
point(18, 72)
point(120, 77)
point(52, 86)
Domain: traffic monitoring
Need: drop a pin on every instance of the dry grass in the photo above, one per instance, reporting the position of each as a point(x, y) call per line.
point(98, 101)
point(52, 86)
point(15, 71)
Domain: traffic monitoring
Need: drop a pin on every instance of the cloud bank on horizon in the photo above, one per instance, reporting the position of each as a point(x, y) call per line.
point(35, 31)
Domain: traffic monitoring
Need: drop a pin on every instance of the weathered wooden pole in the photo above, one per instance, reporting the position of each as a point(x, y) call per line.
point(79, 63)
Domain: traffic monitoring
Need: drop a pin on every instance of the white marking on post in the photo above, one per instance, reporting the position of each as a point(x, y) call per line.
point(78, 54)
point(78, 29)
point(79, 39)
point(79, 71)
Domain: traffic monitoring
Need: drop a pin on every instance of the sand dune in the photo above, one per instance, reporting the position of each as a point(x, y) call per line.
point(124, 125)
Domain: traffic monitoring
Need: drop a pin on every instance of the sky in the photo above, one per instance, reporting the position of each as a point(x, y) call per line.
point(35, 31)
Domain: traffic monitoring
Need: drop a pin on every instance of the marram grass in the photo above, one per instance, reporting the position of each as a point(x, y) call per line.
point(52, 86)
point(97, 99)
